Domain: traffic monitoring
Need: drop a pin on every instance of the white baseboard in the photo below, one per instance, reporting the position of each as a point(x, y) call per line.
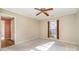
point(69, 42)
point(62, 41)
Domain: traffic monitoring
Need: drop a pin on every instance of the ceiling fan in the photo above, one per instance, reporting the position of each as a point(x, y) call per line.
point(43, 10)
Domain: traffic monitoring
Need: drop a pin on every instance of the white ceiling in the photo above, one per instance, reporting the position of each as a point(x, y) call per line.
point(31, 12)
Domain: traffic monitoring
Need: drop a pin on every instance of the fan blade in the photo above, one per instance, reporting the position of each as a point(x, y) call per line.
point(37, 9)
point(49, 9)
point(45, 13)
point(38, 13)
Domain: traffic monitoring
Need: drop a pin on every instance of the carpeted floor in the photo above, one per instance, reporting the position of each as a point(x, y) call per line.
point(42, 45)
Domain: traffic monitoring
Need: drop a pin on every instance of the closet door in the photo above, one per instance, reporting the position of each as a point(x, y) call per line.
point(7, 29)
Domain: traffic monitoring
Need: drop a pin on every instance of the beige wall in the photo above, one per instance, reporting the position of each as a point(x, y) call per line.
point(78, 26)
point(67, 28)
point(43, 29)
point(25, 28)
point(29, 29)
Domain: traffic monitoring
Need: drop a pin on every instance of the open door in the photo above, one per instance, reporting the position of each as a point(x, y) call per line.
point(57, 29)
point(7, 41)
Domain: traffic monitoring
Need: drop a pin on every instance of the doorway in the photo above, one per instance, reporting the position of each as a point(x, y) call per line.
point(7, 31)
point(53, 29)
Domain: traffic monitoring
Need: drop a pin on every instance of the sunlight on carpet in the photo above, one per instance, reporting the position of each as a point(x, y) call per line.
point(44, 47)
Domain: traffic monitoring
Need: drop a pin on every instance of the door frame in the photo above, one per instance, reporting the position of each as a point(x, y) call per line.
point(57, 29)
point(2, 18)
